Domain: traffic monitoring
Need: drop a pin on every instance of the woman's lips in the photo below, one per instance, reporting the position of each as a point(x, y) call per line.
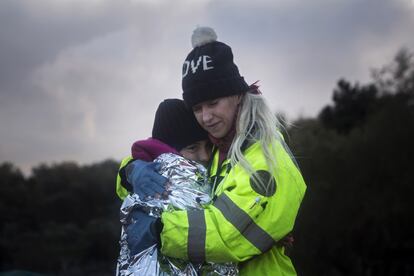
point(211, 126)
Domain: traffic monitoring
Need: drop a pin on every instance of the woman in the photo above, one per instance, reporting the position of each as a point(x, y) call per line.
point(257, 185)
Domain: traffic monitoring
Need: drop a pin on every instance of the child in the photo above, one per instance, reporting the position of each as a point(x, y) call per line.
point(175, 130)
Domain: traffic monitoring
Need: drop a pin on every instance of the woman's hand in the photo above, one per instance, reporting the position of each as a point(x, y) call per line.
point(145, 180)
point(287, 241)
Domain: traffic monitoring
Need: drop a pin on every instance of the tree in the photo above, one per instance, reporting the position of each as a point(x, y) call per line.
point(63, 219)
point(351, 106)
point(356, 218)
point(398, 76)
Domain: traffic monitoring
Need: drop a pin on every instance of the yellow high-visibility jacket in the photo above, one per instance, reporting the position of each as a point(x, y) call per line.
point(245, 221)
point(121, 182)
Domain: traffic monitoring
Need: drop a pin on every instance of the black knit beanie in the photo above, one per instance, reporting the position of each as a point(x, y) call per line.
point(209, 71)
point(176, 126)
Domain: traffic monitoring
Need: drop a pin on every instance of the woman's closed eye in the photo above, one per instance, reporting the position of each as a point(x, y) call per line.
point(212, 103)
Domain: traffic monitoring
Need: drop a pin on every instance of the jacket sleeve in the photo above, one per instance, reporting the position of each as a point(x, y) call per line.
point(123, 187)
point(244, 220)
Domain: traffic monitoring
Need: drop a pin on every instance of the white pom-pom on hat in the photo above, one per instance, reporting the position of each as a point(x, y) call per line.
point(202, 36)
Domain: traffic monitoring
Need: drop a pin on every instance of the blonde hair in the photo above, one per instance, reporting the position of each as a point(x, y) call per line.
point(256, 123)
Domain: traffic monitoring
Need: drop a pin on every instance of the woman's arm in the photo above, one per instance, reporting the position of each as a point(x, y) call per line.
point(242, 222)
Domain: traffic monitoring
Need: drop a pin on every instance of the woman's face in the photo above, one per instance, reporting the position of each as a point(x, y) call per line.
point(199, 151)
point(217, 116)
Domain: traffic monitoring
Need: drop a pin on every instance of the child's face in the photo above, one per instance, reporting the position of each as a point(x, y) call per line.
point(199, 151)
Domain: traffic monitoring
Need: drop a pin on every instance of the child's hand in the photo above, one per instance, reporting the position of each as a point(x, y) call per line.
point(145, 180)
point(143, 232)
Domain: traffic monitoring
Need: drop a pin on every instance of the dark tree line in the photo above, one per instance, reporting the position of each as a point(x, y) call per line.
point(63, 219)
point(356, 219)
point(357, 158)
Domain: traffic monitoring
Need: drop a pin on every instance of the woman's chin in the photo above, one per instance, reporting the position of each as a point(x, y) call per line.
point(217, 134)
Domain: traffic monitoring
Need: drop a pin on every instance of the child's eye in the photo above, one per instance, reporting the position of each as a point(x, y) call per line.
point(191, 148)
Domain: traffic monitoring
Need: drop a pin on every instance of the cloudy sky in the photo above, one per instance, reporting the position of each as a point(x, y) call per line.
point(80, 80)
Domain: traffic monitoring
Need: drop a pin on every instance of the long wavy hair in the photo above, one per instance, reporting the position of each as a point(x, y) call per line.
point(257, 123)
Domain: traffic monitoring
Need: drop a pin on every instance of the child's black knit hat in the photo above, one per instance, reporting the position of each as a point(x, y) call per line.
point(175, 125)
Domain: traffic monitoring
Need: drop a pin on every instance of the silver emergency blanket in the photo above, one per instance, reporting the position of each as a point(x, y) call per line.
point(188, 189)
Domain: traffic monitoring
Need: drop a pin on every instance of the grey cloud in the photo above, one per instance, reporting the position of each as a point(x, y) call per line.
point(29, 38)
point(303, 48)
point(82, 87)
point(81, 81)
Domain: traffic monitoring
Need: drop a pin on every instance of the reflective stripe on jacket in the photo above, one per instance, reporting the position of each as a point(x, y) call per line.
point(245, 221)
